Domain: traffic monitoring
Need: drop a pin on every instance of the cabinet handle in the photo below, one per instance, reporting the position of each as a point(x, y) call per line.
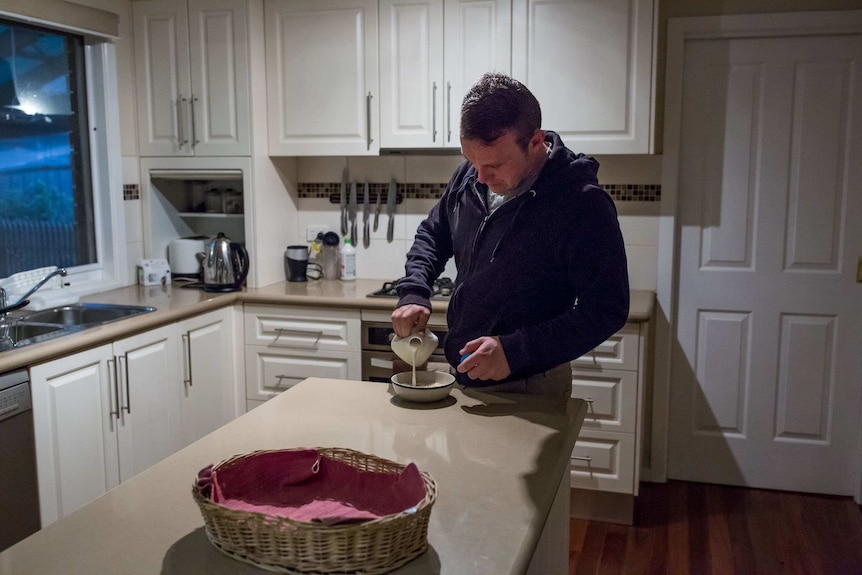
point(187, 345)
point(434, 112)
point(181, 132)
point(449, 112)
point(586, 458)
point(278, 379)
point(368, 119)
point(192, 101)
point(125, 371)
point(114, 414)
point(279, 331)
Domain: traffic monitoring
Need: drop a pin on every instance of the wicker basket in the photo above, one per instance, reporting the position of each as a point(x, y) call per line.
point(288, 546)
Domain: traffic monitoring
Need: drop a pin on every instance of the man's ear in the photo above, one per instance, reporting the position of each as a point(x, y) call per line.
point(538, 138)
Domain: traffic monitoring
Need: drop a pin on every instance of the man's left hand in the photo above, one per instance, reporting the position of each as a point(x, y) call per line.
point(486, 359)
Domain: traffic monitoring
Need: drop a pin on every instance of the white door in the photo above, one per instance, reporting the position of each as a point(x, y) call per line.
point(321, 65)
point(208, 373)
point(766, 366)
point(72, 420)
point(149, 396)
point(219, 105)
point(163, 78)
point(411, 73)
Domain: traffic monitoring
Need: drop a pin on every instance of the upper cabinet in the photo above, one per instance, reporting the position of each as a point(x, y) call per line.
point(322, 77)
point(590, 64)
point(192, 77)
point(431, 52)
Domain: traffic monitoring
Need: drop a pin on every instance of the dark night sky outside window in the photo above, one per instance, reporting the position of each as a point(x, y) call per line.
point(46, 198)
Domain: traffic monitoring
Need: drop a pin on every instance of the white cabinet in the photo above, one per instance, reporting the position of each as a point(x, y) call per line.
point(286, 344)
point(208, 360)
point(431, 52)
point(192, 77)
point(606, 457)
point(590, 64)
point(102, 416)
point(322, 69)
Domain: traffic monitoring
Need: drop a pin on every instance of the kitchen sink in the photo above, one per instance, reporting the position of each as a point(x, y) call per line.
point(21, 328)
point(84, 314)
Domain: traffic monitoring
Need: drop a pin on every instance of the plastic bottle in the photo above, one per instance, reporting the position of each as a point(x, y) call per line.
point(348, 261)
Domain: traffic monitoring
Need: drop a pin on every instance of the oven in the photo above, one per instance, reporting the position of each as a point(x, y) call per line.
point(379, 362)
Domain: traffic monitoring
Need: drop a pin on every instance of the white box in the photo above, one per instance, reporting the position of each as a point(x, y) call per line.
point(154, 272)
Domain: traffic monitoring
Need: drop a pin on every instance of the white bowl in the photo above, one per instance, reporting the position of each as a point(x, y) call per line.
point(430, 385)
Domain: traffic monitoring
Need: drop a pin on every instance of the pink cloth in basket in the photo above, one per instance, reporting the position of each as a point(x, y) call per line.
point(305, 486)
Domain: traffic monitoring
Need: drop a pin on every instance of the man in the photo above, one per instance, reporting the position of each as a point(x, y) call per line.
point(542, 275)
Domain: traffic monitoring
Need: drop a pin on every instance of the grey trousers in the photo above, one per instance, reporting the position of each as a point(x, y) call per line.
point(556, 382)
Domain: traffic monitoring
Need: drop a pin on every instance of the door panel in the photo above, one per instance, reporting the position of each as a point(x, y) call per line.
point(766, 371)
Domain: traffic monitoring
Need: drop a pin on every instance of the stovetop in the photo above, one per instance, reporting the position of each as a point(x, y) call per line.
point(442, 289)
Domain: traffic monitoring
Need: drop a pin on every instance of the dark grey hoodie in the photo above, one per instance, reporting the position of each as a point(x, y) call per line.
point(546, 271)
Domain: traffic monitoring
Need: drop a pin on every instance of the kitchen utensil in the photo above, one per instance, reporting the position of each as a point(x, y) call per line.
point(377, 210)
point(225, 265)
point(181, 257)
point(390, 210)
point(430, 385)
point(351, 211)
point(366, 213)
point(344, 202)
point(296, 265)
point(415, 349)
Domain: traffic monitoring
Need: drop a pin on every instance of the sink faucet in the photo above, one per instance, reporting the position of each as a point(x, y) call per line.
point(4, 308)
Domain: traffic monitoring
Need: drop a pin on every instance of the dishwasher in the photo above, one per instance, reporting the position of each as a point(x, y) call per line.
point(19, 490)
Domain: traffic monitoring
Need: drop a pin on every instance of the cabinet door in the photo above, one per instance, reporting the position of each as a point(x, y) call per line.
point(208, 363)
point(321, 63)
point(477, 39)
point(411, 74)
point(163, 78)
point(149, 399)
point(76, 447)
point(219, 104)
point(589, 63)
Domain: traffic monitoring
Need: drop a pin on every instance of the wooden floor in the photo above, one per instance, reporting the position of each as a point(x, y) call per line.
point(700, 529)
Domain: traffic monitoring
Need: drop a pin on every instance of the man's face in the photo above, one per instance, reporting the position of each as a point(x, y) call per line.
point(503, 165)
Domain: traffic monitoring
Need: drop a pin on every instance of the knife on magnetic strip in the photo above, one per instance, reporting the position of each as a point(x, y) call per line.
point(390, 209)
point(343, 202)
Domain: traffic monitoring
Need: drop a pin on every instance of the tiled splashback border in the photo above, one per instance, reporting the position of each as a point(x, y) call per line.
point(619, 192)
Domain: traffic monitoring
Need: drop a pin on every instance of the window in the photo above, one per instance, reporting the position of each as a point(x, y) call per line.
point(46, 192)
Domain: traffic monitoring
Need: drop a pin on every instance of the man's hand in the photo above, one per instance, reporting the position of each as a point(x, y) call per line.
point(409, 319)
point(485, 359)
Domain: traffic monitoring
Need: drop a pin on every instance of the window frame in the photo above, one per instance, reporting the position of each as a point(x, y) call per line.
point(105, 161)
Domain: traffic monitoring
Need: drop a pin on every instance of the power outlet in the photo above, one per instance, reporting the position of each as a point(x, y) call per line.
point(312, 231)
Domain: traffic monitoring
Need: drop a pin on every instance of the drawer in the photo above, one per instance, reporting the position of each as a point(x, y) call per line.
point(611, 396)
point(604, 461)
point(620, 351)
point(302, 328)
point(268, 372)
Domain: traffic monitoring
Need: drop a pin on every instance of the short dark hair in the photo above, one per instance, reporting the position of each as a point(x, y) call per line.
point(497, 103)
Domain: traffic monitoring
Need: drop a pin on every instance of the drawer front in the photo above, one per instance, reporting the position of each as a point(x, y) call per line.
point(308, 329)
point(269, 372)
point(620, 351)
point(604, 461)
point(611, 397)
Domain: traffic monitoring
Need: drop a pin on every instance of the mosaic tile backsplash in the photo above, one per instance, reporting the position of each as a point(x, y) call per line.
point(619, 192)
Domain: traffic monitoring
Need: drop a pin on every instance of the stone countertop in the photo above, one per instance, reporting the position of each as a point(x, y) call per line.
point(497, 460)
point(174, 303)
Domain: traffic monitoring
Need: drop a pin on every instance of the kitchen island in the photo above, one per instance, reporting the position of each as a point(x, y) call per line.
point(500, 462)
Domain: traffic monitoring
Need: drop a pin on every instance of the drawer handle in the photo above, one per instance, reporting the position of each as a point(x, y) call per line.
point(278, 379)
point(586, 458)
point(280, 331)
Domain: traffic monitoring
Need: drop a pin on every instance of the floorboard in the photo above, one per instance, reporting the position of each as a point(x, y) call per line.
point(702, 529)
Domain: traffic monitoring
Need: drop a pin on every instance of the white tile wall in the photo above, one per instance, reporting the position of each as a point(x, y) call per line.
point(383, 260)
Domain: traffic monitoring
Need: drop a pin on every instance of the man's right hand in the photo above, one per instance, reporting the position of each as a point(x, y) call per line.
point(409, 319)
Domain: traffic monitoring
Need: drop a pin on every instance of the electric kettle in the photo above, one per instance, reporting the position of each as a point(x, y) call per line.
point(225, 265)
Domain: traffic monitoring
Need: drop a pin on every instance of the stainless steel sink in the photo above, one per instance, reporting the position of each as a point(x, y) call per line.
point(21, 328)
point(84, 314)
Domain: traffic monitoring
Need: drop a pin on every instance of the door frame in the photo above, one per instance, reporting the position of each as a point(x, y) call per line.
point(681, 30)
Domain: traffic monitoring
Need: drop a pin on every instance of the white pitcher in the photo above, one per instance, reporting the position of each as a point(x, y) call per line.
point(415, 349)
